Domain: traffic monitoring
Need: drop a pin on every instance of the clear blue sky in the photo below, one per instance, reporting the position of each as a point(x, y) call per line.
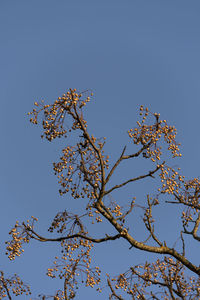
point(129, 53)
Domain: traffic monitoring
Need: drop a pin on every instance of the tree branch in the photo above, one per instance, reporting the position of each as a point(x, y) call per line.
point(113, 291)
point(138, 152)
point(94, 147)
point(139, 245)
point(115, 165)
point(148, 222)
point(40, 238)
point(133, 179)
point(181, 201)
point(122, 157)
point(194, 231)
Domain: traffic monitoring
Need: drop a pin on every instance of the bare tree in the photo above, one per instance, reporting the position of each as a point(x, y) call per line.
point(84, 172)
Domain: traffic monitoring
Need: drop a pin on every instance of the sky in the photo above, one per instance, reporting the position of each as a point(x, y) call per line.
point(128, 53)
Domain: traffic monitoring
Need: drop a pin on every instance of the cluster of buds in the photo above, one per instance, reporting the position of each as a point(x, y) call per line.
point(70, 103)
point(12, 285)
point(149, 135)
point(20, 236)
point(74, 263)
point(171, 180)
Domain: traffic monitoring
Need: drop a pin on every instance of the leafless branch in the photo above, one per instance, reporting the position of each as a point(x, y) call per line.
point(40, 238)
point(195, 229)
point(113, 291)
point(148, 222)
point(150, 174)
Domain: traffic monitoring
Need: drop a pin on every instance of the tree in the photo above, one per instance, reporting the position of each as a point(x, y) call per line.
point(84, 172)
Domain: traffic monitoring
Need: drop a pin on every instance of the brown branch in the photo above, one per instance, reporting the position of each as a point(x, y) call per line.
point(132, 180)
point(195, 229)
point(183, 244)
point(164, 250)
point(148, 225)
point(154, 296)
point(181, 201)
point(145, 241)
point(122, 157)
point(66, 281)
point(65, 288)
point(138, 152)
point(113, 291)
point(5, 285)
point(139, 245)
point(115, 165)
point(97, 150)
point(7, 291)
point(40, 238)
point(196, 226)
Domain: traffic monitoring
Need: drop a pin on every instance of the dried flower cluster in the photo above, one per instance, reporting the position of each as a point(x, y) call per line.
point(149, 135)
point(20, 235)
point(12, 285)
point(74, 266)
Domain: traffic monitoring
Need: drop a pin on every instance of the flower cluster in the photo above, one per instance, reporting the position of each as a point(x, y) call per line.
point(67, 223)
point(20, 236)
point(70, 103)
point(14, 247)
point(75, 263)
point(12, 285)
point(149, 136)
point(171, 180)
point(79, 170)
point(117, 211)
